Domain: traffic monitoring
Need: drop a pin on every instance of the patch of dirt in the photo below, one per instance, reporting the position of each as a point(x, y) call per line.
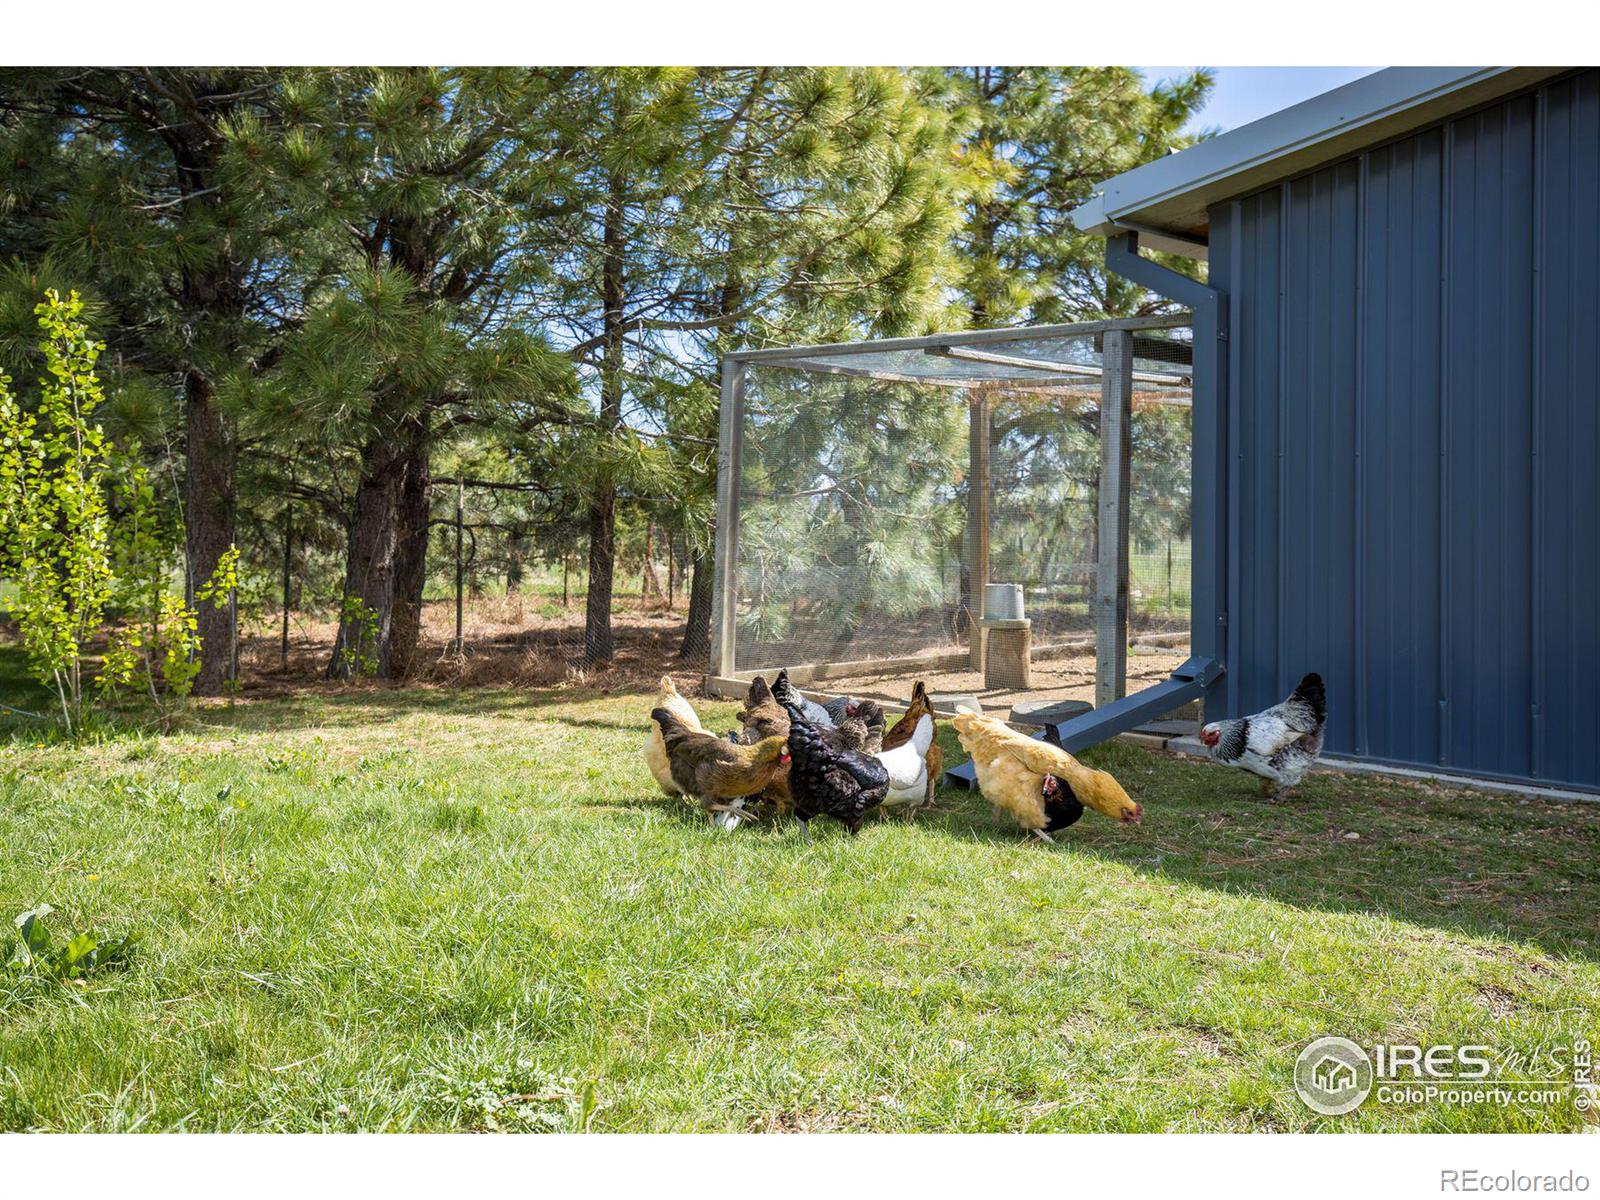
point(813, 1121)
point(507, 642)
point(1499, 1001)
point(1506, 954)
point(1053, 679)
point(1203, 1041)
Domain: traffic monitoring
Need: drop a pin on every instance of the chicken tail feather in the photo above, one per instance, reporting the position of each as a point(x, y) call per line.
point(1311, 693)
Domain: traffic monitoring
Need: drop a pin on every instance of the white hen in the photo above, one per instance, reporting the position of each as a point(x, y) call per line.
point(907, 765)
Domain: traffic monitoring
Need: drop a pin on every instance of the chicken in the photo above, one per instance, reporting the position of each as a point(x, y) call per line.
point(785, 693)
point(905, 727)
point(718, 774)
point(763, 717)
point(907, 765)
point(825, 778)
point(859, 724)
point(1042, 786)
point(862, 725)
point(1279, 743)
point(839, 707)
point(655, 750)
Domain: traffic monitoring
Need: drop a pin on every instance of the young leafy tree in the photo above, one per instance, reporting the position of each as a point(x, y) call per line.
point(428, 190)
point(55, 537)
point(125, 177)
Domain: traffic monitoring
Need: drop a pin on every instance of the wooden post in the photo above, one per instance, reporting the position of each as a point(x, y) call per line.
point(1111, 577)
point(977, 518)
point(288, 545)
point(1169, 566)
point(730, 467)
point(460, 505)
point(672, 566)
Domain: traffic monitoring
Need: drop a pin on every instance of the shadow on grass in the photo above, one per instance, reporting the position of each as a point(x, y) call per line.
point(1476, 863)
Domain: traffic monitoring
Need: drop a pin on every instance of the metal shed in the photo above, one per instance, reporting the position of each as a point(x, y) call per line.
point(1396, 411)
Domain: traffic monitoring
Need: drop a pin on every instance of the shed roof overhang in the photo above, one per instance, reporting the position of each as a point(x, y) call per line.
point(1165, 201)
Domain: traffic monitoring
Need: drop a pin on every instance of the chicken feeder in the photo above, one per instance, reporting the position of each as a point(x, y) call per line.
point(1003, 601)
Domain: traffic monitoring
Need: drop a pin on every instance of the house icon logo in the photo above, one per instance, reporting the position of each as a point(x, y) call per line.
point(1333, 1076)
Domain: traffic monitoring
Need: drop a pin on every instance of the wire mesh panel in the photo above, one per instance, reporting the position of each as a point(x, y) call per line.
point(851, 518)
point(1044, 482)
point(1160, 505)
point(881, 486)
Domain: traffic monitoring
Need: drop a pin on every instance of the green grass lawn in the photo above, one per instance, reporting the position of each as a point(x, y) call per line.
point(446, 910)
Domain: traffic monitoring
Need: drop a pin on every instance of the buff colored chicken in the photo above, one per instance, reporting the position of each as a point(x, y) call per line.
point(655, 750)
point(1042, 786)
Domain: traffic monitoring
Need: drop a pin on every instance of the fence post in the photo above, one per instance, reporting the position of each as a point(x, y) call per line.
point(978, 518)
point(1111, 576)
point(288, 544)
point(730, 468)
point(460, 504)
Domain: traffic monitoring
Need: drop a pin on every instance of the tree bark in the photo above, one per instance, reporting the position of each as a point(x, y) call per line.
point(387, 559)
point(209, 510)
point(597, 642)
point(696, 645)
point(516, 554)
point(213, 293)
point(411, 556)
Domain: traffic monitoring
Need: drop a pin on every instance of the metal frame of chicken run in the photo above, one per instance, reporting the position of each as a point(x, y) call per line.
point(1114, 341)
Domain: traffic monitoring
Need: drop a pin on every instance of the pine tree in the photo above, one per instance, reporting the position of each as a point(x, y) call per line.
point(731, 208)
point(1044, 139)
point(122, 178)
point(427, 191)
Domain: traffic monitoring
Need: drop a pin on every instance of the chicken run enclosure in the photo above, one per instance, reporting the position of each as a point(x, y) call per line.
point(870, 493)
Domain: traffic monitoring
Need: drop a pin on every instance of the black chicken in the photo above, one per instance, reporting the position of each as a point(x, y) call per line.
point(826, 778)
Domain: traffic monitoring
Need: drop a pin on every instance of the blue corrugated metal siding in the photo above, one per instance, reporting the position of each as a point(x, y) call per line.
point(1415, 441)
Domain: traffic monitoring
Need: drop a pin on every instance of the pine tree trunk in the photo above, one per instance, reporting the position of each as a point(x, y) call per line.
point(411, 556)
point(597, 642)
point(696, 646)
point(650, 584)
point(387, 558)
point(672, 571)
point(515, 554)
point(209, 507)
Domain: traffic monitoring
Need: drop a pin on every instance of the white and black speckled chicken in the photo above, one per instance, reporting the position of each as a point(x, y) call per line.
point(787, 694)
point(1279, 743)
point(825, 778)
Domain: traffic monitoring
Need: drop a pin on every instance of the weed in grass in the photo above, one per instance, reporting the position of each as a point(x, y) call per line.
point(37, 961)
point(520, 1098)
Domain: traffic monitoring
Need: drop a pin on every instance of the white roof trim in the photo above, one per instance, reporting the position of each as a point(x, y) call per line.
point(1171, 194)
